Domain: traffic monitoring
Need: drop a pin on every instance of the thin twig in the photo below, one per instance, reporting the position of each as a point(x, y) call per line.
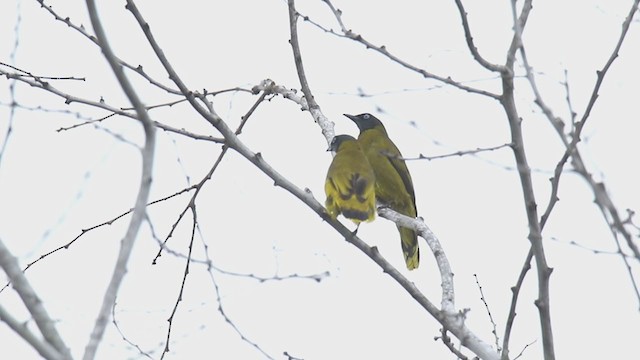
point(586, 248)
point(486, 306)
point(458, 153)
point(523, 349)
point(446, 340)
point(122, 335)
point(208, 176)
point(192, 207)
point(385, 52)
point(226, 317)
point(82, 31)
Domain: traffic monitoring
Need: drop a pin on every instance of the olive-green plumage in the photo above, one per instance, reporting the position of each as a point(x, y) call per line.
point(394, 187)
point(350, 182)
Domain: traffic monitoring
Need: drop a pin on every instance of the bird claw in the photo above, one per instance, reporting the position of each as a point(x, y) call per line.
point(355, 232)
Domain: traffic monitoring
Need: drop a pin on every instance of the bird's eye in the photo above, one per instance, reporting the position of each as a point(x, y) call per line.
point(365, 116)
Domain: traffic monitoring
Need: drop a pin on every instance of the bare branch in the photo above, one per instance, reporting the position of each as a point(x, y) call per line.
point(33, 303)
point(383, 50)
point(602, 73)
point(486, 306)
point(315, 277)
point(131, 343)
point(590, 249)
point(602, 198)
point(457, 153)
point(192, 207)
point(446, 340)
point(143, 193)
point(519, 23)
point(228, 319)
point(314, 108)
point(82, 31)
point(446, 274)
point(524, 172)
point(43, 348)
point(535, 236)
point(515, 292)
point(12, 85)
point(471, 45)
point(523, 350)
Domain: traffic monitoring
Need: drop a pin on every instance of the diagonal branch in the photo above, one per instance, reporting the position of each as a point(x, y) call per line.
point(43, 348)
point(454, 322)
point(31, 300)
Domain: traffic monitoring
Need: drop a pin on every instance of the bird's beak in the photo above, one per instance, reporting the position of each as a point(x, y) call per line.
point(351, 117)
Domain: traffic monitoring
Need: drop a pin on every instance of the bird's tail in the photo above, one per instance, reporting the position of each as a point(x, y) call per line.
point(410, 249)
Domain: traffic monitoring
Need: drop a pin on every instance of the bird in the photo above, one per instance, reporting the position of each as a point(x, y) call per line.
point(393, 187)
point(350, 182)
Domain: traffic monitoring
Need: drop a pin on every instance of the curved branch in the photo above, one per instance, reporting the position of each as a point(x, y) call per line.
point(471, 45)
point(312, 105)
point(139, 211)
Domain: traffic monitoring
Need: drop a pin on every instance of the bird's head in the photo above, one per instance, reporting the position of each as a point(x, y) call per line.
point(365, 121)
point(339, 140)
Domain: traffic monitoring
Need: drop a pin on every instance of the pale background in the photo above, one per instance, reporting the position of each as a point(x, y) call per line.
point(54, 184)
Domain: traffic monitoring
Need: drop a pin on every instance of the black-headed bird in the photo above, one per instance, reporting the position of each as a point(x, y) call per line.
point(394, 187)
point(350, 182)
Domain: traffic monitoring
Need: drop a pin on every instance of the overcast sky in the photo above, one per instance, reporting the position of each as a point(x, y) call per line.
point(54, 184)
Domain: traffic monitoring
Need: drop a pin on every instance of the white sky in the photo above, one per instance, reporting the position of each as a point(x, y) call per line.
point(53, 185)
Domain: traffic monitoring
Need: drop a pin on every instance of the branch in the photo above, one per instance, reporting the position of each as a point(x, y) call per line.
point(535, 231)
point(456, 153)
point(453, 321)
point(383, 50)
point(471, 45)
point(138, 215)
point(33, 303)
point(449, 344)
point(515, 292)
point(313, 107)
point(602, 198)
point(124, 338)
point(524, 172)
point(519, 23)
point(486, 306)
point(68, 98)
point(43, 348)
point(82, 31)
point(446, 275)
point(192, 207)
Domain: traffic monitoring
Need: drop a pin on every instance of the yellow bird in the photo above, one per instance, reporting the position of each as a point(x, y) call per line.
point(350, 182)
point(394, 187)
